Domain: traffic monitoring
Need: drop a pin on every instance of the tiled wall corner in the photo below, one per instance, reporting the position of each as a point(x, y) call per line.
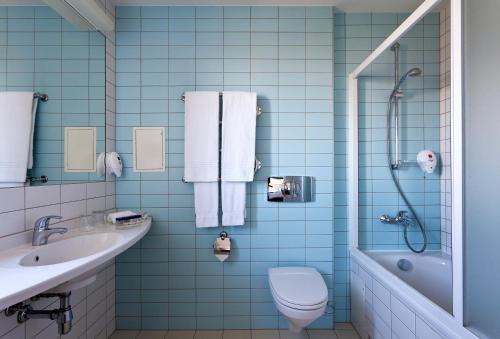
point(445, 127)
point(341, 200)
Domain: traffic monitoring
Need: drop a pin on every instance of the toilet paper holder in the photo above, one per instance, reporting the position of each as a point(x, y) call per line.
point(222, 244)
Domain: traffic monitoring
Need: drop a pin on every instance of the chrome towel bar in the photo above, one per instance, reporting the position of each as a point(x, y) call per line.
point(259, 109)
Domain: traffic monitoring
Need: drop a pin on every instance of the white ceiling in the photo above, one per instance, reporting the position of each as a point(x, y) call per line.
point(343, 5)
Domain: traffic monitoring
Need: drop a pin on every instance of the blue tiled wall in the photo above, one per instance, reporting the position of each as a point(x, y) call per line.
point(356, 36)
point(40, 51)
point(171, 279)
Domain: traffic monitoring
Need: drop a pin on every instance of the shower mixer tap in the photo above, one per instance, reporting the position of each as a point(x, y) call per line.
point(401, 219)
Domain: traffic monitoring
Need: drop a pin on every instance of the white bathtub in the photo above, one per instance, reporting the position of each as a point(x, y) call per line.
point(388, 302)
point(430, 273)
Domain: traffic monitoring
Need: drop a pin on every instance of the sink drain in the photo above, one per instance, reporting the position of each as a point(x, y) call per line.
point(405, 264)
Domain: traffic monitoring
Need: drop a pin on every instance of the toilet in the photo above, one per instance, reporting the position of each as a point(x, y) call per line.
point(299, 293)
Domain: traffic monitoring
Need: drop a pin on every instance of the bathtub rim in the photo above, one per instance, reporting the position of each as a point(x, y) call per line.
point(437, 317)
point(432, 255)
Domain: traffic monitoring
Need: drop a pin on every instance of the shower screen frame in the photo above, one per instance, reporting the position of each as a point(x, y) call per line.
point(456, 319)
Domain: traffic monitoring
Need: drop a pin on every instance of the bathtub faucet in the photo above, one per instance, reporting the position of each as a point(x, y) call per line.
point(401, 219)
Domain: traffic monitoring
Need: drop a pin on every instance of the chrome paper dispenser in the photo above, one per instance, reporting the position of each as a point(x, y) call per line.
point(289, 189)
point(222, 246)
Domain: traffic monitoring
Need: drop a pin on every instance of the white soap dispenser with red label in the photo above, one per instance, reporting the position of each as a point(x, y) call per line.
point(427, 161)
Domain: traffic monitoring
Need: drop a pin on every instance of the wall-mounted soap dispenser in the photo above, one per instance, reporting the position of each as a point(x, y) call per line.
point(289, 189)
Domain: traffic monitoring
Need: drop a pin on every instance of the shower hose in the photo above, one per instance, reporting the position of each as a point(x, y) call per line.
point(400, 190)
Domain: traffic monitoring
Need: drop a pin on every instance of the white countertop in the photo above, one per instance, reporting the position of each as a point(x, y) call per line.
point(18, 283)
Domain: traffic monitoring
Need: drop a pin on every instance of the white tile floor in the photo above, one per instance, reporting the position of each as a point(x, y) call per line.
point(343, 331)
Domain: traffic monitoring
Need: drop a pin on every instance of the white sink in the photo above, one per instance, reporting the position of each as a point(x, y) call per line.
point(70, 249)
point(67, 262)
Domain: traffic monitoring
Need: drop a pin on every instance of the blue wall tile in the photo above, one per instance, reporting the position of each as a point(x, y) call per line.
point(225, 48)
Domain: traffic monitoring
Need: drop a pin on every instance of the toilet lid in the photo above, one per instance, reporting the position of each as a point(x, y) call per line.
point(300, 286)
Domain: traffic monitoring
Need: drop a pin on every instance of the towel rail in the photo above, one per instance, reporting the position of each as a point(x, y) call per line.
point(258, 166)
point(41, 96)
point(259, 109)
point(258, 163)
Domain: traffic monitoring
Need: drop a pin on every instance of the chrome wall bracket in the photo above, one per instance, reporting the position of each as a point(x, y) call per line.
point(41, 96)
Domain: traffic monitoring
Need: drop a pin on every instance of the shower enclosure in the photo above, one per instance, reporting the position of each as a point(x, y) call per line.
point(400, 204)
point(394, 162)
point(405, 178)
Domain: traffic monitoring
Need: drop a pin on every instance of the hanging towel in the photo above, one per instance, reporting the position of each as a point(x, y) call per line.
point(17, 114)
point(238, 153)
point(233, 203)
point(201, 154)
point(201, 139)
point(206, 204)
point(32, 136)
point(238, 136)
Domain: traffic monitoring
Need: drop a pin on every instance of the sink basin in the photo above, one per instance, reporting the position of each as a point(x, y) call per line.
point(67, 262)
point(70, 249)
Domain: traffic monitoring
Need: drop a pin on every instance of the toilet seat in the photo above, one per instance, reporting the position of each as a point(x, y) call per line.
point(300, 288)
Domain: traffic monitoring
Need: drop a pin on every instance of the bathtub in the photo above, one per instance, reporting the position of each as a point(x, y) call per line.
point(429, 273)
point(410, 300)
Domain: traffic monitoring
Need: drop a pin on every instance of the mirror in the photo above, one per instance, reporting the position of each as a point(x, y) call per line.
point(41, 52)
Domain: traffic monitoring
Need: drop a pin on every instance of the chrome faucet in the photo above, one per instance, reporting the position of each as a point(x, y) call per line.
point(401, 219)
point(42, 231)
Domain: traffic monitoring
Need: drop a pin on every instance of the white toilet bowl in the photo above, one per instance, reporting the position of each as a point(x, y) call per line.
point(299, 293)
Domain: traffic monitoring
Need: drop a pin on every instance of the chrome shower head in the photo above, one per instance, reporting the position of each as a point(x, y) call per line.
point(414, 72)
point(411, 73)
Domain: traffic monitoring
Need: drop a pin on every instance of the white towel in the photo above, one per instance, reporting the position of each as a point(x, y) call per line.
point(238, 153)
point(206, 204)
point(201, 139)
point(32, 136)
point(233, 203)
point(111, 217)
point(201, 154)
point(238, 136)
point(16, 136)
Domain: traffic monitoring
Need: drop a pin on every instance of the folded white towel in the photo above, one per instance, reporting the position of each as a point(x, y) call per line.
point(238, 136)
point(206, 204)
point(16, 136)
point(201, 154)
point(111, 217)
point(201, 139)
point(233, 203)
point(238, 153)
